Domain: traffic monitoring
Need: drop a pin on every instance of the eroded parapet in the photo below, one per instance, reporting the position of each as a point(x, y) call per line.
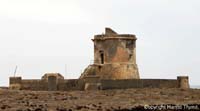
point(15, 83)
point(183, 82)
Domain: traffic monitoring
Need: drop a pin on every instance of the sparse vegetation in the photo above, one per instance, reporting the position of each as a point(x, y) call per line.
point(16, 100)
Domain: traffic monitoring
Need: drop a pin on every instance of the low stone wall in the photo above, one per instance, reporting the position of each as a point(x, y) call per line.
point(34, 84)
point(94, 83)
point(46, 85)
point(139, 83)
point(71, 84)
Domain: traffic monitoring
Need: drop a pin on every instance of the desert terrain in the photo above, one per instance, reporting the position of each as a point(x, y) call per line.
point(102, 100)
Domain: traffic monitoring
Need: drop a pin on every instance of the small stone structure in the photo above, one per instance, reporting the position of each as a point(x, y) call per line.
point(15, 83)
point(52, 79)
point(114, 67)
point(183, 82)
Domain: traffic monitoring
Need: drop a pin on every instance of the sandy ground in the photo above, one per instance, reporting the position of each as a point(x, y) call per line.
point(103, 100)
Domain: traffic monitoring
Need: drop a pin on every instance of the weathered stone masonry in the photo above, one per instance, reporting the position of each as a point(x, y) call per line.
point(94, 83)
point(114, 56)
point(114, 67)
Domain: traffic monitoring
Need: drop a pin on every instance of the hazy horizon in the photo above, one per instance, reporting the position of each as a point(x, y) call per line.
point(44, 36)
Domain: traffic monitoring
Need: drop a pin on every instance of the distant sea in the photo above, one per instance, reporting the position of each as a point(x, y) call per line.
point(195, 86)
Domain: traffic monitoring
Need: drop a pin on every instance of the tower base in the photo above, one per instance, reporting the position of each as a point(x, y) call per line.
point(112, 71)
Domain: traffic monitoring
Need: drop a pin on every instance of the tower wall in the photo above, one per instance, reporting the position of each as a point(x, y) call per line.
point(115, 50)
point(114, 56)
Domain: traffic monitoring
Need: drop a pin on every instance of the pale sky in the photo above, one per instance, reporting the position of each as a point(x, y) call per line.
point(43, 36)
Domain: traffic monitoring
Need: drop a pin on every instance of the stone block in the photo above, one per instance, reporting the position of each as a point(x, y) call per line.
point(92, 86)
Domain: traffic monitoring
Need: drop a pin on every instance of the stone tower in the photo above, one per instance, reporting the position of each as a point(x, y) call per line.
point(114, 56)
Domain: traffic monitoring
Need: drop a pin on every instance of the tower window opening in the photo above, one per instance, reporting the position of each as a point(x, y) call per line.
point(102, 57)
point(130, 56)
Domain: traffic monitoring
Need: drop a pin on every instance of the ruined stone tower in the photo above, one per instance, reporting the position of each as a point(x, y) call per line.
point(114, 56)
